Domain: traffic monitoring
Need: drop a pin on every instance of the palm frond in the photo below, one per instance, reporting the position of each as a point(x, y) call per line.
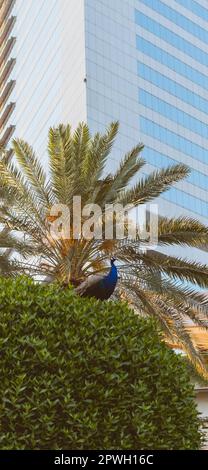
point(154, 185)
point(172, 323)
point(32, 169)
point(103, 146)
point(61, 154)
point(98, 151)
point(128, 168)
point(176, 268)
point(182, 231)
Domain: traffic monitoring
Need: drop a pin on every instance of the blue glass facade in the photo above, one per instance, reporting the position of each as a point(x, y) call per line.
point(172, 139)
point(171, 61)
point(196, 178)
point(195, 7)
point(171, 112)
point(172, 71)
point(172, 38)
point(177, 17)
point(172, 87)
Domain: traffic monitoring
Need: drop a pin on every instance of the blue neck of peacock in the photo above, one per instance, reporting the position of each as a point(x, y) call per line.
point(112, 276)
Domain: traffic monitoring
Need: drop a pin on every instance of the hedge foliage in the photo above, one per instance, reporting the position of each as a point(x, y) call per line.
point(84, 374)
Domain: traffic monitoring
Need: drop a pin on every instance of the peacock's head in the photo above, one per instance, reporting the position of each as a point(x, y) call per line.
point(112, 260)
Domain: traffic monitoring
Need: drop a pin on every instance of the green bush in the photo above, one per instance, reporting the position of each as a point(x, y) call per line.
point(82, 374)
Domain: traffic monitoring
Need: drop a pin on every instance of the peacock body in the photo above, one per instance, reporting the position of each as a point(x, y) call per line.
point(100, 287)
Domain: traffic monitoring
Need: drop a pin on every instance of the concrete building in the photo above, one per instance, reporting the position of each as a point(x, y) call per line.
point(7, 63)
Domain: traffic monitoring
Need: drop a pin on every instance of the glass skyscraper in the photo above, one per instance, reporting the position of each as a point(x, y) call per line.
point(172, 44)
point(147, 64)
point(143, 62)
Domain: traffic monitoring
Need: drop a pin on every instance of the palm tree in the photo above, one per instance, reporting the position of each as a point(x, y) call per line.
point(9, 243)
point(6, 264)
point(164, 286)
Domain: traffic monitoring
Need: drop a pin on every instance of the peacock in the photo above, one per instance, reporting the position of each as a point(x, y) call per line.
point(100, 287)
